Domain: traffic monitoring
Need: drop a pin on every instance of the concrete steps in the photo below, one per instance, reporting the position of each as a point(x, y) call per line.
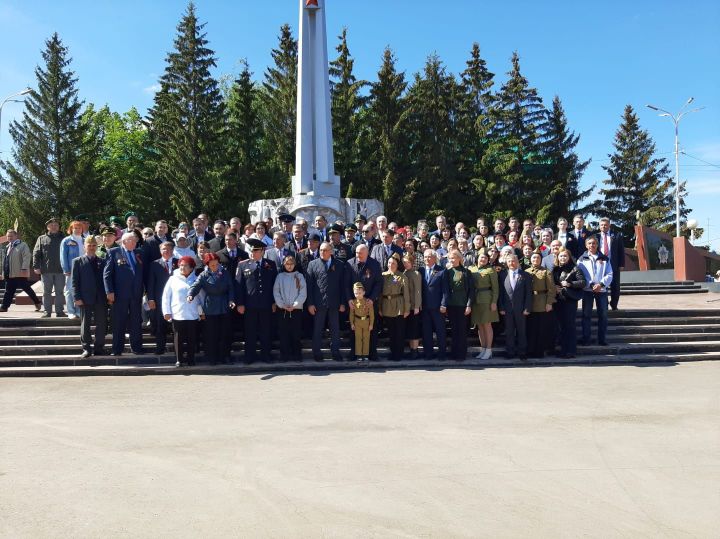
point(661, 287)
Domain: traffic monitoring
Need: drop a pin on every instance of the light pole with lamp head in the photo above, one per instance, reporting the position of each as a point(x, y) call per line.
point(10, 98)
point(676, 120)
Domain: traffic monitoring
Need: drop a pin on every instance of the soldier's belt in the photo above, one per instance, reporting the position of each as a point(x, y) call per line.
point(362, 317)
point(388, 296)
point(481, 289)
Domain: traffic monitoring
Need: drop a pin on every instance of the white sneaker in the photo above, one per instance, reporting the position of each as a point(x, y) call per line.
point(71, 316)
point(487, 354)
point(481, 354)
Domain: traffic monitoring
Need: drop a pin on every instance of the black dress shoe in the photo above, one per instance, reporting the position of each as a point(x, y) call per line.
point(61, 315)
point(138, 352)
point(523, 357)
point(100, 352)
point(602, 343)
point(85, 354)
point(160, 351)
point(319, 359)
point(116, 354)
point(3, 309)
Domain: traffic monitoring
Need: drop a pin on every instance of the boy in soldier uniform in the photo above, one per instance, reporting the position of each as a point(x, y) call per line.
point(362, 318)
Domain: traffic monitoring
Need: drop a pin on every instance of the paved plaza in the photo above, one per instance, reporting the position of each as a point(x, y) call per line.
point(627, 451)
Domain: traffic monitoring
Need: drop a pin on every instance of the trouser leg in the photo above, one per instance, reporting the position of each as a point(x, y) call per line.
point(615, 288)
point(11, 286)
point(601, 302)
point(587, 307)
point(86, 340)
point(48, 281)
point(135, 325)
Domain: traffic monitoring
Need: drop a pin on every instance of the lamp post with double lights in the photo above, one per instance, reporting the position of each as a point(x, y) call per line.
point(10, 98)
point(676, 120)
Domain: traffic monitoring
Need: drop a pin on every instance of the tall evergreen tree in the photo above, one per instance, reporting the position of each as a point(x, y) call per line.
point(431, 130)
point(245, 136)
point(517, 183)
point(383, 144)
point(563, 193)
point(637, 180)
point(187, 122)
point(279, 112)
point(347, 102)
point(51, 172)
point(474, 124)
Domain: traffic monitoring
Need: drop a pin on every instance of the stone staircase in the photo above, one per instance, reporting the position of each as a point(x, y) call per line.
point(661, 287)
point(35, 346)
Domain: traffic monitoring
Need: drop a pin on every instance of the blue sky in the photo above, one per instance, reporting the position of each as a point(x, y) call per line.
point(597, 57)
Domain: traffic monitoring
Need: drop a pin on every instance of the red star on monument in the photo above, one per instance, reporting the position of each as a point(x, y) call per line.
point(311, 3)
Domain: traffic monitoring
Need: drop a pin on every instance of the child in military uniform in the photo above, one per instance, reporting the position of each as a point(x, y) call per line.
point(362, 318)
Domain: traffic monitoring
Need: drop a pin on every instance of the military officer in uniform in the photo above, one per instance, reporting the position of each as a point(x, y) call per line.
point(254, 298)
point(341, 250)
point(540, 321)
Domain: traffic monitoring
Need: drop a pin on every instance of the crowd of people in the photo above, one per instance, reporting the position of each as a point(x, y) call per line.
point(209, 286)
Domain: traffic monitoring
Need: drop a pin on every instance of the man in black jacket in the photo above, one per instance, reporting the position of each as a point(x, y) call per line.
point(89, 293)
point(231, 255)
point(516, 291)
point(159, 272)
point(611, 244)
point(46, 263)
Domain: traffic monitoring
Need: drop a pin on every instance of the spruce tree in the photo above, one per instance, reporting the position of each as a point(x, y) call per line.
point(51, 172)
point(279, 112)
point(514, 156)
point(565, 169)
point(383, 144)
point(432, 107)
point(347, 103)
point(244, 142)
point(637, 180)
point(474, 124)
point(187, 123)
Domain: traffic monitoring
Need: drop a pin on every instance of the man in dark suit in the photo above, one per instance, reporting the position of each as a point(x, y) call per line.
point(311, 253)
point(159, 272)
point(299, 240)
point(151, 246)
point(218, 242)
point(89, 293)
point(199, 232)
point(383, 251)
point(514, 304)
point(326, 297)
point(231, 255)
point(365, 270)
point(565, 237)
point(254, 298)
point(367, 238)
point(611, 244)
point(580, 233)
point(123, 280)
point(321, 227)
point(435, 294)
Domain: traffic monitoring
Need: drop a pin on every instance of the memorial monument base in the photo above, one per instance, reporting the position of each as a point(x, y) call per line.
point(308, 206)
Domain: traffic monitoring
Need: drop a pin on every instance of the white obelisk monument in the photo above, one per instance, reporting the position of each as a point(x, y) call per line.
point(315, 186)
point(314, 160)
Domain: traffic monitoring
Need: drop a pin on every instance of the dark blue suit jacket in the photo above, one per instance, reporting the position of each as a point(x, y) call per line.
point(119, 277)
point(579, 247)
point(370, 276)
point(87, 280)
point(617, 249)
point(326, 288)
point(254, 288)
point(435, 293)
point(158, 278)
point(517, 300)
point(379, 253)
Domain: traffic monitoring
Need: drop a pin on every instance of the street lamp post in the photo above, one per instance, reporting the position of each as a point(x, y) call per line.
point(10, 98)
point(676, 120)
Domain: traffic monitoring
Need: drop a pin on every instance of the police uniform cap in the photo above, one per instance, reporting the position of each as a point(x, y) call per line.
point(315, 237)
point(337, 228)
point(286, 218)
point(115, 220)
point(52, 220)
point(351, 227)
point(107, 230)
point(358, 286)
point(360, 217)
point(255, 244)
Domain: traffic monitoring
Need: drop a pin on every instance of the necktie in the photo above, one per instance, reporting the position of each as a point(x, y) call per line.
point(131, 261)
point(327, 264)
point(428, 274)
point(232, 253)
point(388, 250)
point(513, 280)
point(169, 267)
point(606, 247)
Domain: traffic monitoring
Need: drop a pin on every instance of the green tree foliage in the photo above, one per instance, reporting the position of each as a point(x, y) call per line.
point(187, 124)
point(518, 169)
point(347, 103)
point(564, 170)
point(432, 105)
point(245, 137)
point(279, 100)
point(637, 180)
point(383, 143)
point(123, 162)
point(51, 172)
point(475, 120)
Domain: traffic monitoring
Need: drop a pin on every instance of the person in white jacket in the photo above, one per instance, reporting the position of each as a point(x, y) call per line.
point(290, 293)
point(182, 313)
point(598, 274)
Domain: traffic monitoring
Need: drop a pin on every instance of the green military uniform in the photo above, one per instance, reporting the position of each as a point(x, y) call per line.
point(362, 318)
point(543, 289)
point(395, 298)
point(487, 291)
